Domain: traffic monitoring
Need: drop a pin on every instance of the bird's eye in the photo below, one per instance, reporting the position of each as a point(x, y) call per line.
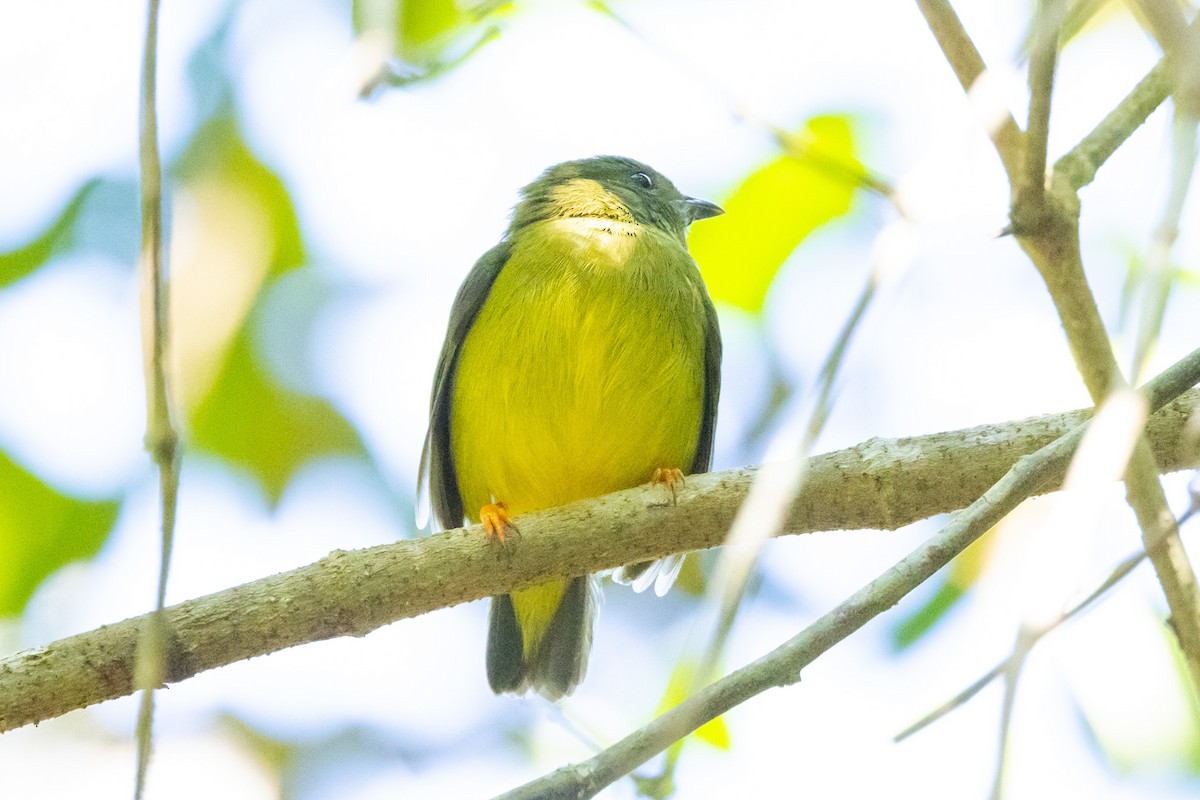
point(642, 180)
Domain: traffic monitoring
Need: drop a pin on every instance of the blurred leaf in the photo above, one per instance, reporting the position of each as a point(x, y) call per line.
point(40, 531)
point(272, 753)
point(18, 263)
point(236, 230)
point(964, 570)
point(420, 24)
point(431, 34)
point(774, 209)
point(921, 621)
point(101, 218)
point(253, 422)
point(679, 689)
point(218, 154)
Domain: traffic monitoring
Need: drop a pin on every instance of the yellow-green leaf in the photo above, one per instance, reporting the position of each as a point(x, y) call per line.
point(427, 33)
point(912, 627)
point(679, 688)
point(42, 530)
point(774, 209)
point(421, 24)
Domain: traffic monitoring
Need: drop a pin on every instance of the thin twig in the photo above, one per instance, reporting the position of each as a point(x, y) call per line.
point(782, 666)
point(161, 439)
point(968, 65)
point(1079, 166)
point(1165, 21)
point(855, 173)
point(1157, 276)
point(1012, 676)
point(1078, 15)
point(1042, 63)
point(1183, 45)
point(1116, 576)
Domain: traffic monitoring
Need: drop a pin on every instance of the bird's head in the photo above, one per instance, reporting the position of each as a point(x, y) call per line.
point(610, 187)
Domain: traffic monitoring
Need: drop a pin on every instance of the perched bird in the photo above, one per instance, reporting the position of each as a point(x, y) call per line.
point(582, 357)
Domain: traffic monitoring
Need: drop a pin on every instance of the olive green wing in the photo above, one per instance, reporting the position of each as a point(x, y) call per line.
point(437, 482)
point(712, 388)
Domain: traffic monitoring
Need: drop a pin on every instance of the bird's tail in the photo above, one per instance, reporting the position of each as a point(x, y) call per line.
point(539, 638)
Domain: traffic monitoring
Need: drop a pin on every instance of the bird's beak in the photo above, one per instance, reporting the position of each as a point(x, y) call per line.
point(694, 208)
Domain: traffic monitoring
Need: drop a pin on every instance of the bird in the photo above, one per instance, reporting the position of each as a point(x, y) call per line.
point(582, 356)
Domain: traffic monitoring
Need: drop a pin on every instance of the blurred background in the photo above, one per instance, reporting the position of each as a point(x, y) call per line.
point(332, 172)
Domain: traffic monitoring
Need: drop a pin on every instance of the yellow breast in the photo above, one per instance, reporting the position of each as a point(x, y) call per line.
point(584, 370)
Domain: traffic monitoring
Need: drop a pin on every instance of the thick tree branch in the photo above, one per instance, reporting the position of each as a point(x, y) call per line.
point(881, 484)
point(781, 667)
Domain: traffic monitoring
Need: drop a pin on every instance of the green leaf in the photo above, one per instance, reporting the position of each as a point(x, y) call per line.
point(957, 580)
point(775, 209)
point(18, 263)
point(914, 626)
point(241, 234)
point(219, 154)
point(679, 688)
point(253, 422)
point(421, 24)
point(42, 530)
point(431, 34)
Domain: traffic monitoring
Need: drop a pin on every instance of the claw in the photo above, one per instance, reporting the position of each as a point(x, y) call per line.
point(498, 525)
point(671, 477)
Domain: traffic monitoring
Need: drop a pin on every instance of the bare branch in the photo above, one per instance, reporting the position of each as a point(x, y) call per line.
point(1157, 276)
point(1116, 576)
point(161, 439)
point(1012, 676)
point(880, 484)
point(1042, 62)
point(1165, 21)
point(968, 65)
point(794, 145)
point(1079, 166)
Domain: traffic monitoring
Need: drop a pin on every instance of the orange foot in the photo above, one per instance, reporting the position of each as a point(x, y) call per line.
point(497, 524)
point(671, 477)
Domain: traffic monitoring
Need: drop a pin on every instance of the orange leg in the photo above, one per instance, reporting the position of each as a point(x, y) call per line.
point(671, 477)
point(497, 524)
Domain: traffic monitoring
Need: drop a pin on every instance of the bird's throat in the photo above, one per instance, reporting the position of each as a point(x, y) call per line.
point(587, 198)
